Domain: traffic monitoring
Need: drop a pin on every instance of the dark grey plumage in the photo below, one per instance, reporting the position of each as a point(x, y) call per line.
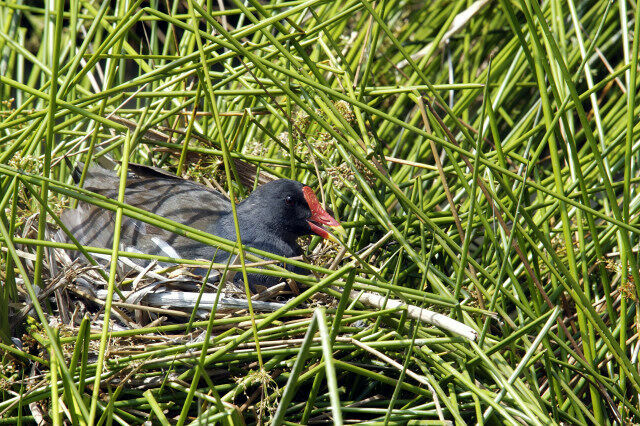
point(270, 219)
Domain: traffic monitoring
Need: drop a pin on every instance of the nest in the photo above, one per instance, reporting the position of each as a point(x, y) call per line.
point(144, 296)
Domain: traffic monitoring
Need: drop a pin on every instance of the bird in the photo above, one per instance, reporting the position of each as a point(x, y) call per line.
point(271, 218)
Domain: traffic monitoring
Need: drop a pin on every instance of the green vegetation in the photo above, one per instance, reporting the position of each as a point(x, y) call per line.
point(482, 156)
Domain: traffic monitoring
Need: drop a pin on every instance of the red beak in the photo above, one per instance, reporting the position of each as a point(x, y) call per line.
point(320, 219)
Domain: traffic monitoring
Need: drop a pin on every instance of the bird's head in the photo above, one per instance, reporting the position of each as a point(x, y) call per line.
point(293, 208)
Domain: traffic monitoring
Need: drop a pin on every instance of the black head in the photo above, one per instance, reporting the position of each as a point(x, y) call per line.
point(289, 209)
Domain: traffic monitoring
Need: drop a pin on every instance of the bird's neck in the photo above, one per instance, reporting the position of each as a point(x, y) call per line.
point(252, 228)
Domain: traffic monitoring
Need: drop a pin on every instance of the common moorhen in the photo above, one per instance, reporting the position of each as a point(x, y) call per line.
point(270, 219)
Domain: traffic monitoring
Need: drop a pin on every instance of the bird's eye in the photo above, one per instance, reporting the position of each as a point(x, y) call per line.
point(288, 200)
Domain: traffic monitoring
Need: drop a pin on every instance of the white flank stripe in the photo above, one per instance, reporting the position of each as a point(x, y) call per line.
point(166, 248)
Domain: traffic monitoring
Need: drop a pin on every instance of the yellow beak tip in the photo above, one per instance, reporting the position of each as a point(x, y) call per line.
point(337, 231)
